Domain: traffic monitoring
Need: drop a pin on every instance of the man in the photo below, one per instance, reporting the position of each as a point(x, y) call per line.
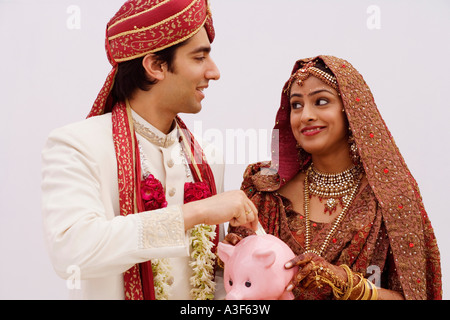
point(119, 187)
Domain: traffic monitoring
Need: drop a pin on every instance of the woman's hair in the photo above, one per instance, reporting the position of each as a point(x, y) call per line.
point(322, 66)
point(131, 75)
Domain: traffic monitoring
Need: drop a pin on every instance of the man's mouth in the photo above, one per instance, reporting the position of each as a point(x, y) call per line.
point(200, 90)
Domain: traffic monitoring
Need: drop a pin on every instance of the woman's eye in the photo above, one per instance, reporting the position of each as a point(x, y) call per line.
point(296, 105)
point(321, 102)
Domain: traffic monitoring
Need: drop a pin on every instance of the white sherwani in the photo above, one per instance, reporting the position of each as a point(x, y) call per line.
point(82, 225)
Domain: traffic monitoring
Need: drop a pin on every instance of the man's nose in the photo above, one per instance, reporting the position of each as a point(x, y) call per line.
point(213, 72)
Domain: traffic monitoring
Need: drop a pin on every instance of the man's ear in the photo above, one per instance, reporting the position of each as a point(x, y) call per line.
point(154, 68)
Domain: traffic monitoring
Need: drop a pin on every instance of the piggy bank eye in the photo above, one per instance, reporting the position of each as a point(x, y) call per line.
point(230, 282)
point(248, 284)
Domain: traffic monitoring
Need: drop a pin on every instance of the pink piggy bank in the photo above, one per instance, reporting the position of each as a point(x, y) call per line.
point(254, 268)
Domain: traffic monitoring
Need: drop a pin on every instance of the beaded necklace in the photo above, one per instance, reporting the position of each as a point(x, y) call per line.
point(335, 187)
point(347, 201)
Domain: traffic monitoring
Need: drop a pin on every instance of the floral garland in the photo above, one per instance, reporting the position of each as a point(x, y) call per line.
point(203, 259)
point(201, 236)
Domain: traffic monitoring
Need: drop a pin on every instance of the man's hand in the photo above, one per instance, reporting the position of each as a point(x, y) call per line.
point(231, 206)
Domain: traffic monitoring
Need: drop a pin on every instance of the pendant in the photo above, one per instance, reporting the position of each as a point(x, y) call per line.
point(330, 205)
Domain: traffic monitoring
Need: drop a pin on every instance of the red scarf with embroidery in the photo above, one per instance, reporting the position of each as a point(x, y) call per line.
point(138, 280)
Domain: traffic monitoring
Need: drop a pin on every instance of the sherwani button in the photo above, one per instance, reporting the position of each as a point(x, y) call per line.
point(170, 163)
point(172, 192)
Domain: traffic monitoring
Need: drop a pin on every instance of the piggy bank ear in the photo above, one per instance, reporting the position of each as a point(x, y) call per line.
point(266, 258)
point(224, 251)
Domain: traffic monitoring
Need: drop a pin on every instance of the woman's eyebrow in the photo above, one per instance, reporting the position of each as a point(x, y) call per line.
point(310, 94)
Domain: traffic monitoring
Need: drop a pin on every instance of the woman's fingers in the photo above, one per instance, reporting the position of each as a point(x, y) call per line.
point(232, 238)
point(299, 260)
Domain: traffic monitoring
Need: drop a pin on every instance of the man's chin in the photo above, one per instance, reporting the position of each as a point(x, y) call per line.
point(193, 110)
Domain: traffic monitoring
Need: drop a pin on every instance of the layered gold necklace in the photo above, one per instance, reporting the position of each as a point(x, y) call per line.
point(332, 186)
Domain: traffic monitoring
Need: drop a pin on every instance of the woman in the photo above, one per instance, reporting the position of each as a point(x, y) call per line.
point(339, 193)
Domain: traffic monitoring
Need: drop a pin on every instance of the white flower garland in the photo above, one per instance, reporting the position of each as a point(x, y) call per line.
point(203, 262)
point(162, 279)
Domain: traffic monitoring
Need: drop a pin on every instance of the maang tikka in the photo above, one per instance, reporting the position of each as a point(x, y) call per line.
point(310, 69)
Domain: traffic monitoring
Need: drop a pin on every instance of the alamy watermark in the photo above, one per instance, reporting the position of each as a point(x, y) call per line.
point(73, 281)
point(238, 146)
point(373, 21)
point(73, 21)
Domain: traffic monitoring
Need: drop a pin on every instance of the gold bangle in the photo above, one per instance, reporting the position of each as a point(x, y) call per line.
point(373, 290)
point(360, 286)
point(367, 290)
point(363, 290)
point(349, 286)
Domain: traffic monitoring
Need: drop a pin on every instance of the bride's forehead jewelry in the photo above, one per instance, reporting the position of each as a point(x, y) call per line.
point(309, 69)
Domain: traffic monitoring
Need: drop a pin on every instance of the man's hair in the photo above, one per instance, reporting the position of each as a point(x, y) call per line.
point(131, 75)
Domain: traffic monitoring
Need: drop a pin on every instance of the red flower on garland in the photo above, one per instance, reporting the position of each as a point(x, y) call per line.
point(152, 193)
point(194, 191)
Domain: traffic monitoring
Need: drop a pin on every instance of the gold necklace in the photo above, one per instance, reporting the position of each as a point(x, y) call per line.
point(347, 201)
point(335, 187)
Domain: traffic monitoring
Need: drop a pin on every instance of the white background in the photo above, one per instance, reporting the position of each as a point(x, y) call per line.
point(52, 65)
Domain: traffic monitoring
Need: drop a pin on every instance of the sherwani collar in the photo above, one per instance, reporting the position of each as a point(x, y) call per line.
point(152, 134)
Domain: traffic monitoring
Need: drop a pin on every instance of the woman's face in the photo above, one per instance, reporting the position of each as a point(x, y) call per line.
point(318, 123)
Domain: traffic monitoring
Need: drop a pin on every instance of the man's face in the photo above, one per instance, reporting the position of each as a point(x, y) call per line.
point(193, 67)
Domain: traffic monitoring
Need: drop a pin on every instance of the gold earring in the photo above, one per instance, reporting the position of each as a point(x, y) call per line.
point(354, 154)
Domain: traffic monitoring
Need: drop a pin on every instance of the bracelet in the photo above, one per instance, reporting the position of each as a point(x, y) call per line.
point(363, 290)
point(326, 276)
point(349, 282)
point(368, 291)
point(373, 290)
point(359, 286)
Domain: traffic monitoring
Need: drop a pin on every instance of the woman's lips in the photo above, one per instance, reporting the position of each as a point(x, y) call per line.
point(311, 131)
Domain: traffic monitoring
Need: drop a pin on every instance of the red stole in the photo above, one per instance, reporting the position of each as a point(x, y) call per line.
point(138, 280)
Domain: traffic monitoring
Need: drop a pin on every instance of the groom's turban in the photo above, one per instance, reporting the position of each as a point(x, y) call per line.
point(142, 27)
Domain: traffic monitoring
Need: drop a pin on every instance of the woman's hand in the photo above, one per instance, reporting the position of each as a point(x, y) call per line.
point(232, 238)
point(310, 266)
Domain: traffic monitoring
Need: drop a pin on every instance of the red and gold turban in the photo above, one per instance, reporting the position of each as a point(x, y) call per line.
point(143, 27)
